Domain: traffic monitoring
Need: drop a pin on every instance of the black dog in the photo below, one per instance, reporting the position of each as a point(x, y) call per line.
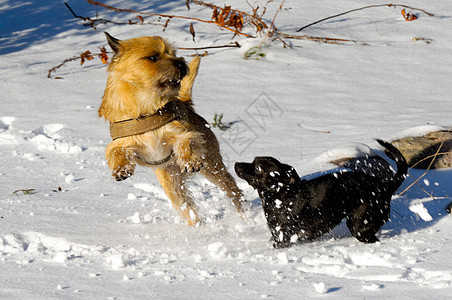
point(305, 209)
point(449, 208)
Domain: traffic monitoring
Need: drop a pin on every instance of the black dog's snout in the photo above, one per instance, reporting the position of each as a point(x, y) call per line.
point(241, 169)
point(181, 66)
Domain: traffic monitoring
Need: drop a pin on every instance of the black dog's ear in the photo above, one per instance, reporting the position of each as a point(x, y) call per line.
point(113, 42)
point(294, 178)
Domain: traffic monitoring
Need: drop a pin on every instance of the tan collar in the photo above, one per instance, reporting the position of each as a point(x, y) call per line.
point(172, 111)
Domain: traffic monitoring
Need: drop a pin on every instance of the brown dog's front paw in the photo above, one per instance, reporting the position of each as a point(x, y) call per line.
point(195, 166)
point(122, 173)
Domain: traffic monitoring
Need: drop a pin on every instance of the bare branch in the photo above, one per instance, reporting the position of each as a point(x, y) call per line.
point(426, 171)
point(49, 74)
point(231, 45)
point(316, 38)
point(222, 25)
point(362, 8)
point(272, 26)
point(224, 17)
point(94, 22)
point(430, 156)
point(87, 55)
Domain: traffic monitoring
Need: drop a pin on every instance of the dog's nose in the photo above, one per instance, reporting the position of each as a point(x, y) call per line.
point(182, 67)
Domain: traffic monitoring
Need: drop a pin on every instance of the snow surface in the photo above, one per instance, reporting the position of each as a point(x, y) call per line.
point(79, 234)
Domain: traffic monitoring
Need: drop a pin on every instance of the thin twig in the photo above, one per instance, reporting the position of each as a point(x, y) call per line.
point(315, 38)
point(421, 187)
point(285, 44)
point(254, 17)
point(426, 171)
point(49, 74)
point(24, 191)
point(97, 3)
point(92, 22)
point(272, 25)
point(362, 8)
point(231, 45)
point(84, 56)
point(53, 69)
point(430, 156)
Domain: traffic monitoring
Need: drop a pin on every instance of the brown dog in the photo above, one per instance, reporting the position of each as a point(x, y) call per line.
point(147, 101)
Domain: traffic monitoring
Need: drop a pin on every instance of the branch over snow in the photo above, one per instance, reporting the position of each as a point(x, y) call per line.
point(362, 8)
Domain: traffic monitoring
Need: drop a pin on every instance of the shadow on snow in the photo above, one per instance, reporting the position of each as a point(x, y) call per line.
point(26, 23)
point(436, 182)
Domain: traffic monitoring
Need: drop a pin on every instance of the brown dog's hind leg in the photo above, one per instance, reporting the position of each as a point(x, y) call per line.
point(219, 176)
point(173, 184)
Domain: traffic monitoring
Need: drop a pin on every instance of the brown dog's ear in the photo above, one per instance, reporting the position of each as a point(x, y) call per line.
point(113, 42)
point(186, 84)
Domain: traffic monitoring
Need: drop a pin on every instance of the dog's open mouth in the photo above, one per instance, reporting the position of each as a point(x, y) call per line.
point(170, 83)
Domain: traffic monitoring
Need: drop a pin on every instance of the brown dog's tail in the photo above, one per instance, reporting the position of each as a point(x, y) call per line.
point(402, 166)
point(187, 82)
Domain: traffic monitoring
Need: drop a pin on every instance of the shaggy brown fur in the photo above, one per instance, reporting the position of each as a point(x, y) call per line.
point(144, 75)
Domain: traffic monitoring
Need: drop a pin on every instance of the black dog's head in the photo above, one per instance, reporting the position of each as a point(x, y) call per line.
point(267, 174)
point(277, 185)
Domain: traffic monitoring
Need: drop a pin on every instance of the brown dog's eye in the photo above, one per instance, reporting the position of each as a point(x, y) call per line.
point(152, 58)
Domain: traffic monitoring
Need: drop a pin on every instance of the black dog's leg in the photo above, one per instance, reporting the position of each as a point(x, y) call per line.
point(280, 239)
point(366, 221)
point(284, 236)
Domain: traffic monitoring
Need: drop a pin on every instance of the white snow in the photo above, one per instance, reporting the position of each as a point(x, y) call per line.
point(320, 287)
point(282, 257)
point(347, 150)
point(417, 131)
point(80, 234)
point(421, 211)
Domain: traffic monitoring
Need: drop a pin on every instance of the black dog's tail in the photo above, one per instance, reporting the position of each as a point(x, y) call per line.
point(402, 166)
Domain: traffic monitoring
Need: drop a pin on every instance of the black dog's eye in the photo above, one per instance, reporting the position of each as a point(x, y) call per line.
point(258, 169)
point(152, 58)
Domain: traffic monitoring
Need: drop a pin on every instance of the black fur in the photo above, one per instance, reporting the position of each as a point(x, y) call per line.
point(305, 209)
point(449, 208)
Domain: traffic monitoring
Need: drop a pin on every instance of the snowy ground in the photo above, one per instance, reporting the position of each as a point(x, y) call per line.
point(80, 234)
